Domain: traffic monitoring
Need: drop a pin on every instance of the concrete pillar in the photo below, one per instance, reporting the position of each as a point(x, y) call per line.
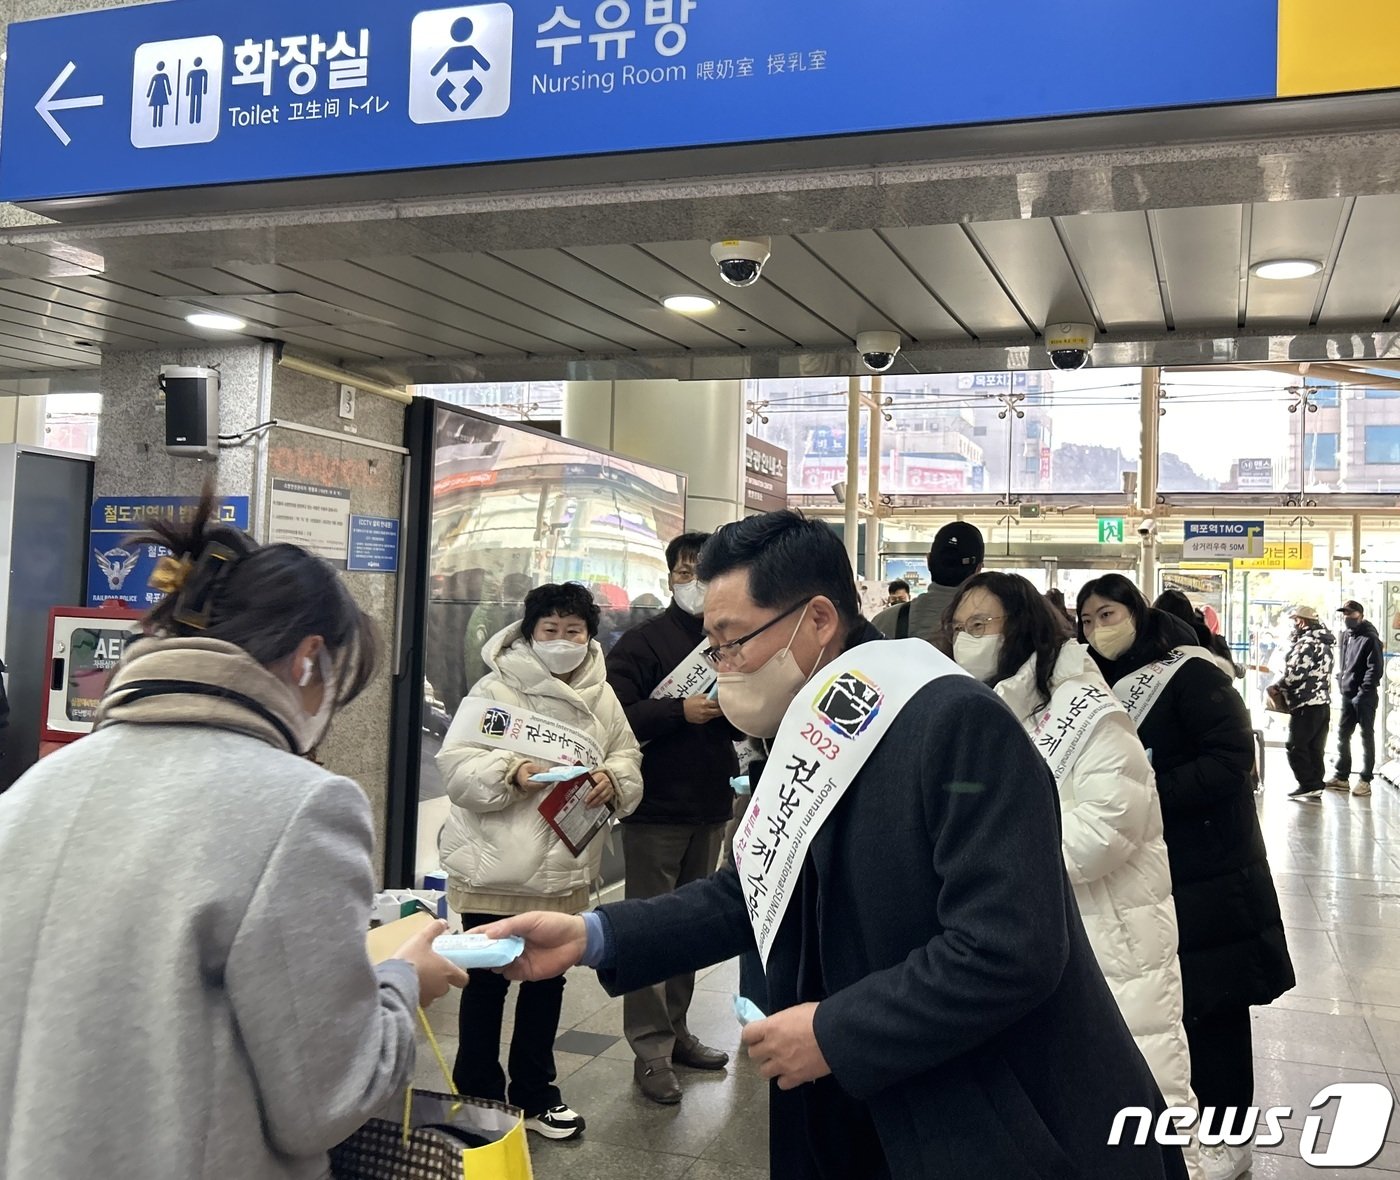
point(131, 461)
point(131, 458)
point(696, 427)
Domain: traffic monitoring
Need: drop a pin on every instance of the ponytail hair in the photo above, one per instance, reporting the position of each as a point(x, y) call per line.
point(265, 599)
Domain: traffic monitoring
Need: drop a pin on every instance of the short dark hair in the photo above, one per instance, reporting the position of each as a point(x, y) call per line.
point(789, 559)
point(264, 599)
point(686, 545)
point(899, 584)
point(562, 599)
point(1176, 603)
point(1031, 626)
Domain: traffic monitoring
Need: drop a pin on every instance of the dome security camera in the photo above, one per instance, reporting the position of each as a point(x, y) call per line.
point(878, 350)
point(1069, 345)
point(741, 261)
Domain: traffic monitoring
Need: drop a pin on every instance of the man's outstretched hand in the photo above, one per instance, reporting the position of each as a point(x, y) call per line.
point(553, 943)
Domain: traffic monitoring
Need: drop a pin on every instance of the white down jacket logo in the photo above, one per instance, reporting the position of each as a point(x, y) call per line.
point(495, 840)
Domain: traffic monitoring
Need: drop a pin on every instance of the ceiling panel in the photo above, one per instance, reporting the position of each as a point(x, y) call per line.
point(807, 280)
point(864, 259)
point(418, 337)
point(102, 296)
point(948, 263)
point(1366, 280)
point(652, 276)
point(27, 320)
point(1028, 256)
point(1114, 254)
point(784, 317)
point(1201, 262)
point(480, 282)
point(615, 303)
point(427, 312)
point(84, 323)
point(1289, 229)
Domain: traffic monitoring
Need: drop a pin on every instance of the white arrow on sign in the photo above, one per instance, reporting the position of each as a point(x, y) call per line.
point(48, 104)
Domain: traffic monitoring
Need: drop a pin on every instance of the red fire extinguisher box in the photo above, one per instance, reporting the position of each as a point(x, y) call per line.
point(85, 647)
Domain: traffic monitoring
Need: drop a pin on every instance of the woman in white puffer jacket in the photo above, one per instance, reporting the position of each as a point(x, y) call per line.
point(501, 857)
point(1007, 635)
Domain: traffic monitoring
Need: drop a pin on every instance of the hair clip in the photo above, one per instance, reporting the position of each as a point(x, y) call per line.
point(171, 574)
point(197, 597)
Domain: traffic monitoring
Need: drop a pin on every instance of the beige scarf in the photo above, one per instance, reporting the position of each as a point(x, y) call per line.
point(205, 682)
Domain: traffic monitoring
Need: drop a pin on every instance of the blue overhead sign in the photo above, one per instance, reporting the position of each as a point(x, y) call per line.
point(1223, 539)
point(162, 96)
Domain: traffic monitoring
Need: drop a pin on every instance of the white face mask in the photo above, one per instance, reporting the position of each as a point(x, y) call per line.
point(1112, 642)
point(315, 725)
point(690, 597)
point(756, 702)
point(979, 656)
point(560, 656)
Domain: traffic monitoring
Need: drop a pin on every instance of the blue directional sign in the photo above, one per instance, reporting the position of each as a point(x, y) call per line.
point(1223, 539)
point(168, 95)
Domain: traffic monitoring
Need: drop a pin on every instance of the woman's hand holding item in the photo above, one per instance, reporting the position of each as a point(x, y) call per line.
point(603, 791)
point(435, 974)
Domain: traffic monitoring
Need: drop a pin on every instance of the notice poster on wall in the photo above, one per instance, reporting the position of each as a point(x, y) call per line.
point(316, 518)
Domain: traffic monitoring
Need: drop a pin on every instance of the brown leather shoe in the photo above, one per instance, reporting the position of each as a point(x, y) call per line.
point(697, 1056)
point(658, 1081)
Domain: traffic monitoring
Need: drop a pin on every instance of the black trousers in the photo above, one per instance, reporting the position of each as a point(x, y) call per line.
point(477, 1071)
point(1222, 1059)
point(1307, 742)
point(1358, 710)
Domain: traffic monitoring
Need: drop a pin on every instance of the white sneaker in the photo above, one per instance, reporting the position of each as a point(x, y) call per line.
point(558, 1122)
point(1225, 1163)
point(1362, 788)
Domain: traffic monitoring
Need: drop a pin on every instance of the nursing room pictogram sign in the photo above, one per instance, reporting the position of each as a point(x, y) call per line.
point(461, 64)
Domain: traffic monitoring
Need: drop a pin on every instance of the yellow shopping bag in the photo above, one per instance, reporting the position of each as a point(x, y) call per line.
point(437, 1137)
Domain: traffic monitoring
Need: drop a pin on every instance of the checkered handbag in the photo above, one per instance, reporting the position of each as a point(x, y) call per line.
point(438, 1137)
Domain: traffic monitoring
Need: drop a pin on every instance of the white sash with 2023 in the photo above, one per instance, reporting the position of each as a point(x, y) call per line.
point(827, 734)
point(532, 735)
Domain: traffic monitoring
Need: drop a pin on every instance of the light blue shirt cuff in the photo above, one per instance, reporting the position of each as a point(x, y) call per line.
point(597, 949)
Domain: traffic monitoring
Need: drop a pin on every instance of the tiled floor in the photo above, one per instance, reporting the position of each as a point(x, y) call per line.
point(1336, 862)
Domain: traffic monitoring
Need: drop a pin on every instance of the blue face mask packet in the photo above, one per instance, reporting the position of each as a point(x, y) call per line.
point(477, 952)
point(747, 1011)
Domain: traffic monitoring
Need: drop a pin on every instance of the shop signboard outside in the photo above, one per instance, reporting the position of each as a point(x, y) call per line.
point(765, 476)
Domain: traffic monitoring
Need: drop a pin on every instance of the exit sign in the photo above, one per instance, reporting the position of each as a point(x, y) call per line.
point(1111, 531)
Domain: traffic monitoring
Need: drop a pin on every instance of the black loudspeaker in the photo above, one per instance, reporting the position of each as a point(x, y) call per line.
point(191, 411)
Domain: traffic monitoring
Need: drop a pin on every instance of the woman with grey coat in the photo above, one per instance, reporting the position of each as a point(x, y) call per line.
point(187, 992)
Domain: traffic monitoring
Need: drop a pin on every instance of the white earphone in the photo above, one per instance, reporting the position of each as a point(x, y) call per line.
point(306, 672)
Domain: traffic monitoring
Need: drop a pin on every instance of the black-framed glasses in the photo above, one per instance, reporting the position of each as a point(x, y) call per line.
point(730, 652)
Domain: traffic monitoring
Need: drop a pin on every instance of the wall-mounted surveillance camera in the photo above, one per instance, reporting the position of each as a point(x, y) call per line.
point(1069, 345)
point(741, 261)
point(1147, 527)
point(878, 350)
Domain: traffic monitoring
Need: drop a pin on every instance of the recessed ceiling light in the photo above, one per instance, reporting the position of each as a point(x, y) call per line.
point(688, 304)
point(216, 321)
point(1287, 268)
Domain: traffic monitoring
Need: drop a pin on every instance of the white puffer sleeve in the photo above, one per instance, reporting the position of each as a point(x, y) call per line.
point(1106, 801)
point(622, 755)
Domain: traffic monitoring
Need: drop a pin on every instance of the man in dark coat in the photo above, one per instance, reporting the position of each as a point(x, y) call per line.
point(674, 836)
point(1361, 665)
point(937, 1009)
